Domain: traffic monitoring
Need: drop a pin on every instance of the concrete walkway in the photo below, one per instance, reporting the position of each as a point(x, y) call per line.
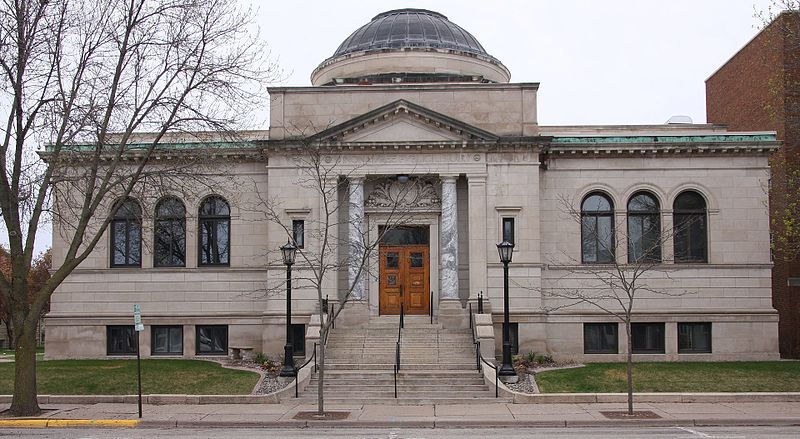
point(427, 416)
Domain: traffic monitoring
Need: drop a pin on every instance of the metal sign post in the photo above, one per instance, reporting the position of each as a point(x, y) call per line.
point(137, 321)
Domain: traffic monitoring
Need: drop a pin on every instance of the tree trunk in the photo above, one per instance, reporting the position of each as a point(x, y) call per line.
point(321, 377)
point(24, 401)
point(629, 367)
point(10, 334)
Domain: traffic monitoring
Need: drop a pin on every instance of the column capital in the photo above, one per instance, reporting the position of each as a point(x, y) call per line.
point(448, 178)
point(356, 178)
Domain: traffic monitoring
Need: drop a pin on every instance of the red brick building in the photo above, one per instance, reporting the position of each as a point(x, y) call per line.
point(759, 89)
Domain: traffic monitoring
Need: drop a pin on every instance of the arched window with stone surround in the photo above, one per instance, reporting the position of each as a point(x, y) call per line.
point(214, 221)
point(170, 234)
point(644, 228)
point(691, 228)
point(597, 229)
point(126, 235)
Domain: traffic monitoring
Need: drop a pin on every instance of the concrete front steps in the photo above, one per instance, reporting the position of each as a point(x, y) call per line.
point(437, 366)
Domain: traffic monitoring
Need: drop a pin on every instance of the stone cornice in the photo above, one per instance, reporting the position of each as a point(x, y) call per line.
point(208, 152)
point(405, 87)
point(703, 145)
point(503, 143)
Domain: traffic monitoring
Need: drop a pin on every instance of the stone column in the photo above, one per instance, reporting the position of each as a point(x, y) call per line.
point(356, 238)
point(449, 239)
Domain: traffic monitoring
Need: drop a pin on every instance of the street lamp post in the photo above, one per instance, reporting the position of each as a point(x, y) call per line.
point(288, 370)
point(506, 373)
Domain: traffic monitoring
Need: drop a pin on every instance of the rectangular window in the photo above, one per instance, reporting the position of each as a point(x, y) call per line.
point(120, 340)
point(299, 339)
point(508, 230)
point(694, 338)
point(600, 338)
point(648, 338)
point(299, 233)
point(212, 340)
point(167, 340)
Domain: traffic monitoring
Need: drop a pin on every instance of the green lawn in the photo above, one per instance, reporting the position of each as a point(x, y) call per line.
point(118, 377)
point(756, 376)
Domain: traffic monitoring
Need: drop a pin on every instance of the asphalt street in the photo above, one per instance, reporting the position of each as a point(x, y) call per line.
point(383, 433)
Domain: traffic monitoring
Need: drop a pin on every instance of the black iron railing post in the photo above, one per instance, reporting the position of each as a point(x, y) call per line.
point(480, 302)
point(430, 308)
point(402, 307)
point(496, 383)
point(395, 381)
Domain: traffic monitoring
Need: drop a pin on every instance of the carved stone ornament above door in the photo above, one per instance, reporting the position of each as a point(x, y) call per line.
point(416, 195)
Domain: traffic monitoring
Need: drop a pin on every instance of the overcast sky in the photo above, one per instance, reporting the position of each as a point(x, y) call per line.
point(597, 62)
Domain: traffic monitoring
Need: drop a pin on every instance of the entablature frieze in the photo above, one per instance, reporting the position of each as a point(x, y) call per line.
point(660, 150)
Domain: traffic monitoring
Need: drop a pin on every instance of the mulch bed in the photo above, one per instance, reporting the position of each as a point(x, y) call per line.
point(328, 416)
point(637, 414)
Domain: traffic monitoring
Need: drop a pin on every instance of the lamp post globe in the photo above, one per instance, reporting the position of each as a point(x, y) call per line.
point(289, 252)
point(506, 373)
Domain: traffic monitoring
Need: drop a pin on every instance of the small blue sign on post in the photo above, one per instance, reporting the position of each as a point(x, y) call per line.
point(137, 317)
point(139, 326)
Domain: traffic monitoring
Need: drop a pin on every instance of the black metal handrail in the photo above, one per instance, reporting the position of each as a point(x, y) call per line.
point(297, 370)
point(496, 375)
point(478, 357)
point(397, 345)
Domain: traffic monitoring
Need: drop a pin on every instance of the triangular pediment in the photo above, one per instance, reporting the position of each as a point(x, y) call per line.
point(401, 129)
point(403, 121)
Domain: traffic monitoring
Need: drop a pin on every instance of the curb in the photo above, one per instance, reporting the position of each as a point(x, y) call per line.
point(440, 424)
point(60, 423)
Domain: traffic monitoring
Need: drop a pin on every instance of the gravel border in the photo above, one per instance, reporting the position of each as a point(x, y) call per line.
point(266, 384)
point(527, 381)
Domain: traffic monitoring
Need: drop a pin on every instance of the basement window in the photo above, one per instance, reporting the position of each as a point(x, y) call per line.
point(648, 338)
point(120, 340)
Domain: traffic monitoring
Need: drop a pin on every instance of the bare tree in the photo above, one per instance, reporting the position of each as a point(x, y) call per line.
point(324, 174)
point(82, 77)
point(606, 280)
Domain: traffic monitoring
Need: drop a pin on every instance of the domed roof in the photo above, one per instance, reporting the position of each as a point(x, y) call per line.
point(412, 28)
point(409, 45)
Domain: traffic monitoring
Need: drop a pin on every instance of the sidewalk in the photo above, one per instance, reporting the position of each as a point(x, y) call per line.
point(419, 416)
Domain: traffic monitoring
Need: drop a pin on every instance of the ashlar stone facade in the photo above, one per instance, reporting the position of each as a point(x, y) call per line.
point(490, 173)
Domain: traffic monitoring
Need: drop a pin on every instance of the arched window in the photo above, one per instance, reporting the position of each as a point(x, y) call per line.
point(597, 229)
point(126, 235)
point(215, 231)
point(170, 234)
point(689, 219)
point(644, 228)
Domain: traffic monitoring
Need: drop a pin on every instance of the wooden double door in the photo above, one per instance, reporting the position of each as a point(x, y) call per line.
point(404, 279)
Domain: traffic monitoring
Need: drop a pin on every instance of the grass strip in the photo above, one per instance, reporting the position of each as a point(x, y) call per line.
point(118, 377)
point(735, 376)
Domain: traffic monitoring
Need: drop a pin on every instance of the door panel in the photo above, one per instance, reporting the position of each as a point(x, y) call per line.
point(391, 279)
point(404, 279)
